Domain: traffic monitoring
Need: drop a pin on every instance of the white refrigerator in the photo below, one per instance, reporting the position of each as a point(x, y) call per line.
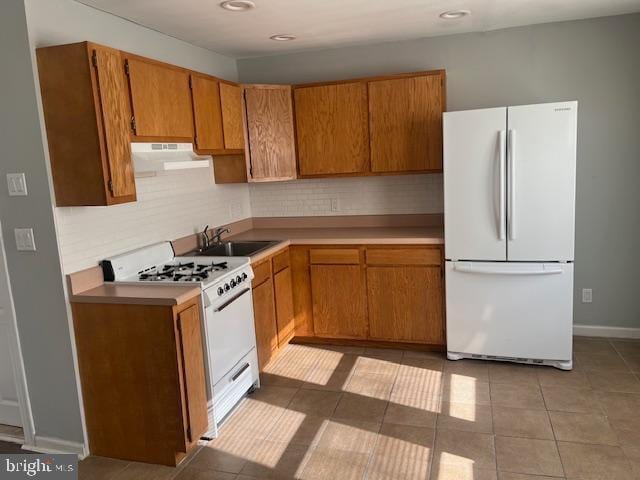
point(509, 203)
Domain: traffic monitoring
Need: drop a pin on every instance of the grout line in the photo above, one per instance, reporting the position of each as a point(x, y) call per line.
point(624, 360)
point(493, 432)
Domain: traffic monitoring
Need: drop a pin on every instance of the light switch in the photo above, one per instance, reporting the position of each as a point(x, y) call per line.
point(17, 184)
point(24, 239)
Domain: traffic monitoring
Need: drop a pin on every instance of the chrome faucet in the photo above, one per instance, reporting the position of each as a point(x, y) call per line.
point(217, 233)
point(204, 235)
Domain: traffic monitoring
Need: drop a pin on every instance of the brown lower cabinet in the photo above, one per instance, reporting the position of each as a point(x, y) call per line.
point(405, 303)
point(339, 302)
point(143, 379)
point(272, 305)
point(369, 292)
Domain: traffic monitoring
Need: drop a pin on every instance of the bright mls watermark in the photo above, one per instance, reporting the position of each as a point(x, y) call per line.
point(37, 466)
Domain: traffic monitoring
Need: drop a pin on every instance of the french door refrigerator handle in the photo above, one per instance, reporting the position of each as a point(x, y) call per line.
point(502, 145)
point(511, 214)
point(464, 268)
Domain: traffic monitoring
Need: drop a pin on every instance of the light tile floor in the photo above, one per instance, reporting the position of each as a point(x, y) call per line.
point(354, 413)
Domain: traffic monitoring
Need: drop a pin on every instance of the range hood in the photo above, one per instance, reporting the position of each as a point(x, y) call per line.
point(154, 158)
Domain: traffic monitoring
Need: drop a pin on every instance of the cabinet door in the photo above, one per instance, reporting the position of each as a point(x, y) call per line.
point(405, 304)
point(161, 100)
point(405, 123)
point(339, 304)
point(114, 105)
point(283, 290)
point(269, 114)
point(207, 113)
point(231, 103)
point(265, 320)
point(193, 374)
point(332, 129)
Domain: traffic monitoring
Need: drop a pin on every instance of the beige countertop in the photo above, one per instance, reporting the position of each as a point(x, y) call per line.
point(342, 236)
point(137, 294)
point(90, 289)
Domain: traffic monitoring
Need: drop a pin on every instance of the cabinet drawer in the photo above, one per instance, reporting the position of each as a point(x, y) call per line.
point(262, 272)
point(404, 256)
point(280, 261)
point(339, 256)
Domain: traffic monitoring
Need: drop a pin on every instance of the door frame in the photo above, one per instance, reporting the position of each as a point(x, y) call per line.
point(17, 362)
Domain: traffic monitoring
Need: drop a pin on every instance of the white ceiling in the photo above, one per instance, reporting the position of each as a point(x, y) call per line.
point(333, 23)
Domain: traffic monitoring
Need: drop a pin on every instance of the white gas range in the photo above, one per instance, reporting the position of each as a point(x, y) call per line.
point(227, 306)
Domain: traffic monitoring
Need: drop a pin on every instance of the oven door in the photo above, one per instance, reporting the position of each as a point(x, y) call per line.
point(230, 330)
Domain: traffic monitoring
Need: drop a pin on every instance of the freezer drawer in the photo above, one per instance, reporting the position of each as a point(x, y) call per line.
point(519, 311)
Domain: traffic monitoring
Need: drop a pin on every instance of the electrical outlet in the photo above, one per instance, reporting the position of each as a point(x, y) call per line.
point(587, 295)
point(335, 205)
point(17, 184)
point(24, 239)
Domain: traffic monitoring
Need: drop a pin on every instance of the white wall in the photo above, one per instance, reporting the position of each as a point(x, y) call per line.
point(593, 61)
point(354, 196)
point(169, 206)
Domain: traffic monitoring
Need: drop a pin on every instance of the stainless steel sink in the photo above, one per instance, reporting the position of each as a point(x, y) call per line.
point(235, 249)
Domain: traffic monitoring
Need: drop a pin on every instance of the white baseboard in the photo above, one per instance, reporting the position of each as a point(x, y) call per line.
point(56, 445)
point(602, 331)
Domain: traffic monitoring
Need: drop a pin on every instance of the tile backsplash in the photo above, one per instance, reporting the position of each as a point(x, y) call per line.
point(180, 203)
point(169, 206)
point(349, 196)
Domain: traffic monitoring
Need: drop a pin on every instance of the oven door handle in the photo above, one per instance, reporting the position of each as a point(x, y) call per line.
point(231, 300)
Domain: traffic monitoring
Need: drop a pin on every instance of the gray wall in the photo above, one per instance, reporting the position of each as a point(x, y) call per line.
point(36, 277)
point(596, 62)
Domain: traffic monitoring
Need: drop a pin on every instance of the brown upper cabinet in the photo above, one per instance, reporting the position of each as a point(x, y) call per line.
point(231, 103)
point(96, 100)
point(405, 123)
point(207, 113)
point(332, 129)
point(271, 153)
point(85, 99)
point(371, 126)
point(160, 100)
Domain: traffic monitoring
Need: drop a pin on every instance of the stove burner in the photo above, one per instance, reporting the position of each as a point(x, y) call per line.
point(189, 277)
point(154, 277)
point(181, 267)
point(182, 272)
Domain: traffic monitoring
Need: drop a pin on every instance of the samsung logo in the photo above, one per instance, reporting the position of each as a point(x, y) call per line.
point(562, 109)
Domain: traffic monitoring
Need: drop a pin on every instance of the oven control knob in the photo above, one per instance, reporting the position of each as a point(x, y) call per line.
point(238, 279)
point(244, 276)
point(232, 283)
point(226, 287)
point(220, 290)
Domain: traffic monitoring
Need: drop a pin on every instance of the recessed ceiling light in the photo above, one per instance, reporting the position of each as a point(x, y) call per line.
point(283, 37)
point(238, 5)
point(454, 14)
